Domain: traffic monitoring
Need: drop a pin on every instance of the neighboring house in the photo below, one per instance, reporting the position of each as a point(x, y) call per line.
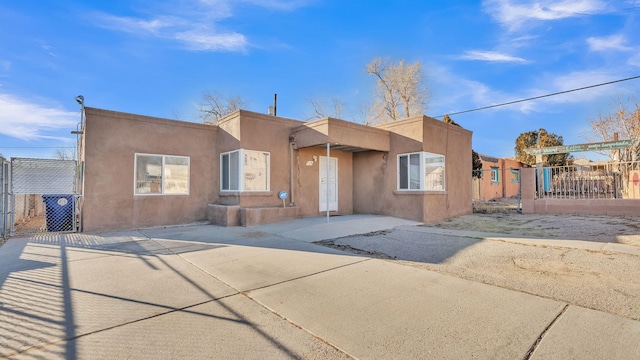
point(500, 178)
point(143, 171)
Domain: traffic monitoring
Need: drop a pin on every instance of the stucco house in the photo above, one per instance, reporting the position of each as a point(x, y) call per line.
point(500, 178)
point(142, 171)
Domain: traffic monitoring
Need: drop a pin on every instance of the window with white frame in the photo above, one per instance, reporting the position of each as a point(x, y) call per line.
point(421, 171)
point(245, 170)
point(161, 175)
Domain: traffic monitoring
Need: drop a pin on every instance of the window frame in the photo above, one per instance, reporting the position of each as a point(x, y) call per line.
point(163, 176)
point(495, 171)
point(515, 176)
point(406, 178)
point(241, 168)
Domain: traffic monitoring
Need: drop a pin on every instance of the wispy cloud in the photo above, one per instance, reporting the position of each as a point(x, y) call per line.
point(635, 60)
point(136, 25)
point(609, 43)
point(46, 47)
point(193, 24)
point(193, 35)
point(469, 94)
point(513, 13)
point(282, 5)
point(25, 120)
point(454, 93)
point(5, 66)
point(575, 80)
point(203, 40)
point(490, 56)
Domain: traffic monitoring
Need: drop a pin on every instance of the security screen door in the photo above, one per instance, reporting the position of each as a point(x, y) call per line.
point(332, 180)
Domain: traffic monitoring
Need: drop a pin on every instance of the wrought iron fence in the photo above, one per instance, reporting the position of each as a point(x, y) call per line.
point(601, 180)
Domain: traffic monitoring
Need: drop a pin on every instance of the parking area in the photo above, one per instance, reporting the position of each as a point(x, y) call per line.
point(284, 291)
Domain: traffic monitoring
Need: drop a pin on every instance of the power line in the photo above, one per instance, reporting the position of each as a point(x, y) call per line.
point(539, 97)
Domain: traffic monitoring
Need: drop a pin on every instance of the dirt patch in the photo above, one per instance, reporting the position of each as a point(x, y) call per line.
point(601, 280)
point(622, 230)
point(503, 205)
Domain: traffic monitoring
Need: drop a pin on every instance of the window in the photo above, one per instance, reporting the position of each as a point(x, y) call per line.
point(245, 170)
point(421, 171)
point(161, 175)
point(515, 176)
point(494, 175)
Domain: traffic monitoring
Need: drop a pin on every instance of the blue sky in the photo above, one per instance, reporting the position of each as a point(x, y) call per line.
point(157, 58)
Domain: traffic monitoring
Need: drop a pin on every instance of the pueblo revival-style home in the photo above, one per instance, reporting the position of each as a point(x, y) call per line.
point(253, 168)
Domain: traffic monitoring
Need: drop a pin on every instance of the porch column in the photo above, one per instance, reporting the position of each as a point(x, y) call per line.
point(327, 177)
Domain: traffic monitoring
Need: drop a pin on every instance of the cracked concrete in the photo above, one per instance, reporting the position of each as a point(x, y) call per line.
point(268, 293)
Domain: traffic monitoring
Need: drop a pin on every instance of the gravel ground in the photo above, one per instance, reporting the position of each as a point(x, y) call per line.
point(601, 280)
point(623, 230)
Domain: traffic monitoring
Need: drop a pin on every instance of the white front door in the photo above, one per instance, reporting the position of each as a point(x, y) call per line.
point(332, 181)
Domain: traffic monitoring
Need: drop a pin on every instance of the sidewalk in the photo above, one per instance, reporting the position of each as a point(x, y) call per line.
point(266, 292)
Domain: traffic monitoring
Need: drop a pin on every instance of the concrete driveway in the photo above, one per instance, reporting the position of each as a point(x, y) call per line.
point(268, 292)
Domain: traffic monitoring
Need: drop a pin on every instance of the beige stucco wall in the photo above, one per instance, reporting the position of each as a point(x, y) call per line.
point(307, 185)
point(455, 143)
point(341, 133)
point(111, 141)
point(252, 131)
point(367, 178)
point(411, 128)
point(375, 173)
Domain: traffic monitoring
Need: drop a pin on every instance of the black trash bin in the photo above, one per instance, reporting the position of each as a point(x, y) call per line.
point(59, 212)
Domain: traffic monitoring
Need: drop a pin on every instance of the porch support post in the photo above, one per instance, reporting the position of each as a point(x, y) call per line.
point(326, 181)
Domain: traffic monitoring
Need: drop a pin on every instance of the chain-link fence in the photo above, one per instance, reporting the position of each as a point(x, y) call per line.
point(4, 199)
point(43, 197)
point(611, 180)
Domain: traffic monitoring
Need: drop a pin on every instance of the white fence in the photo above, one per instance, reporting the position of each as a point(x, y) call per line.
point(614, 180)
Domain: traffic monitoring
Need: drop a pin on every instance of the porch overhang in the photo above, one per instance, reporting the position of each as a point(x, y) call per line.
point(341, 135)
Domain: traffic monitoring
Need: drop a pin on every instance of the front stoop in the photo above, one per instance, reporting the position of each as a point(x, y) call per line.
point(234, 215)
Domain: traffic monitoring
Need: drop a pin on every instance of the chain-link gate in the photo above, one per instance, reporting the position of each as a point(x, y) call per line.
point(43, 197)
point(4, 199)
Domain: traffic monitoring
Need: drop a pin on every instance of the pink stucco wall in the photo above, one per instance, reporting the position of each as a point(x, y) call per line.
point(611, 207)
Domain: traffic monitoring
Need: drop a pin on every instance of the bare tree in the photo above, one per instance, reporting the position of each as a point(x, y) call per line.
point(65, 154)
point(400, 91)
point(215, 105)
point(623, 120)
point(321, 109)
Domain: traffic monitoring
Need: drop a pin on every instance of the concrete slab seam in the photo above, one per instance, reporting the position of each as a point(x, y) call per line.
point(311, 333)
point(306, 276)
point(245, 294)
point(535, 345)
